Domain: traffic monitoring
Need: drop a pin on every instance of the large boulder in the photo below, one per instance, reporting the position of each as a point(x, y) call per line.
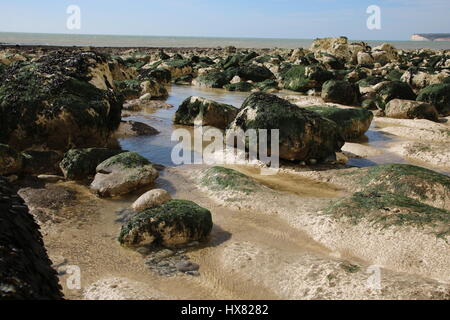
point(410, 109)
point(255, 73)
point(390, 90)
point(10, 160)
point(174, 223)
point(438, 95)
point(302, 78)
point(79, 164)
point(214, 79)
point(198, 110)
point(340, 91)
point(26, 272)
point(353, 123)
point(155, 89)
point(57, 102)
point(123, 174)
point(178, 67)
point(304, 134)
point(338, 47)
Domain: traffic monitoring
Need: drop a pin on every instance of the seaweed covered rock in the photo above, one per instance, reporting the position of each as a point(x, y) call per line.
point(58, 101)
point(384, 210)
point(255, 73)
point(130, 89)
point(225, 179)
point(156, 90)
point(438, 95)
point(303, 134)
point(10, 160)
point(198, 110)
point(160, 75)
point(352, 122)
point(267, 86)
point(212, 80)
point(340, 91)
point(242, 86)
point(178, 67)
point(390, 90)
point(79, 164)
point(174, 223)
point(302, 78)
point(25, 269)
point(410, 181)
point(409, 109)
point(123, 174)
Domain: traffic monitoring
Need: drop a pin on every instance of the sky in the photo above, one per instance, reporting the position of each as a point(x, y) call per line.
point(293, 19)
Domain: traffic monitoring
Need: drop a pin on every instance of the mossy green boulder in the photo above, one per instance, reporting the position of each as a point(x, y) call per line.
point(215, 79)
point(340, 91)
point(390, 90)
point(437, 95)
point(130, 89)
point(123, 174)
point(352, 122)
point(242, 86)
point(301, 78)
point(52, 103)
point(255, 73)
point(174, 223)
point(198, 110)
point(79, 164)
point(303, 134)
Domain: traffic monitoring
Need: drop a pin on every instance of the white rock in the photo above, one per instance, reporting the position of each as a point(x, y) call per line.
point(151, 199)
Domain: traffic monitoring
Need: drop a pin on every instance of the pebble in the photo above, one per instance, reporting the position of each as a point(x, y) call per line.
point(187, 266)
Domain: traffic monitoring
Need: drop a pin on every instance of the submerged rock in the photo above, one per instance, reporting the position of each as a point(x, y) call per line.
point(198, 110)
point(79, 164)
point(304, 134)
point(438, 95)
point(123, 174)
point(25, 269)
point(340, 91)
point(352, 122)
point(409, 109)
point(225, 179)
point(134, 129)
point(174, 223)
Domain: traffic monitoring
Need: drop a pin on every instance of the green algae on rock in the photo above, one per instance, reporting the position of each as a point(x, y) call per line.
point(384, 210)
point(352, 122)
point(174, 223)
point(302, 78)
point(79, 164)
point(438, 95)
point(340, 91)
point(196, 110)
point(410, 181)
point(303, 134)
point(53, 102)
point(390, 90)
point(123, 174)
point(225, 179)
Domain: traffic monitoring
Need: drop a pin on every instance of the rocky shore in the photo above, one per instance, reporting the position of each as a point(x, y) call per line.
point(64, 113)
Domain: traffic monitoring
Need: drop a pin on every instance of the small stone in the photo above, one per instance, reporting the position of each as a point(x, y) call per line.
point(187, 266)
point(50, 178)
point(151, 199)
